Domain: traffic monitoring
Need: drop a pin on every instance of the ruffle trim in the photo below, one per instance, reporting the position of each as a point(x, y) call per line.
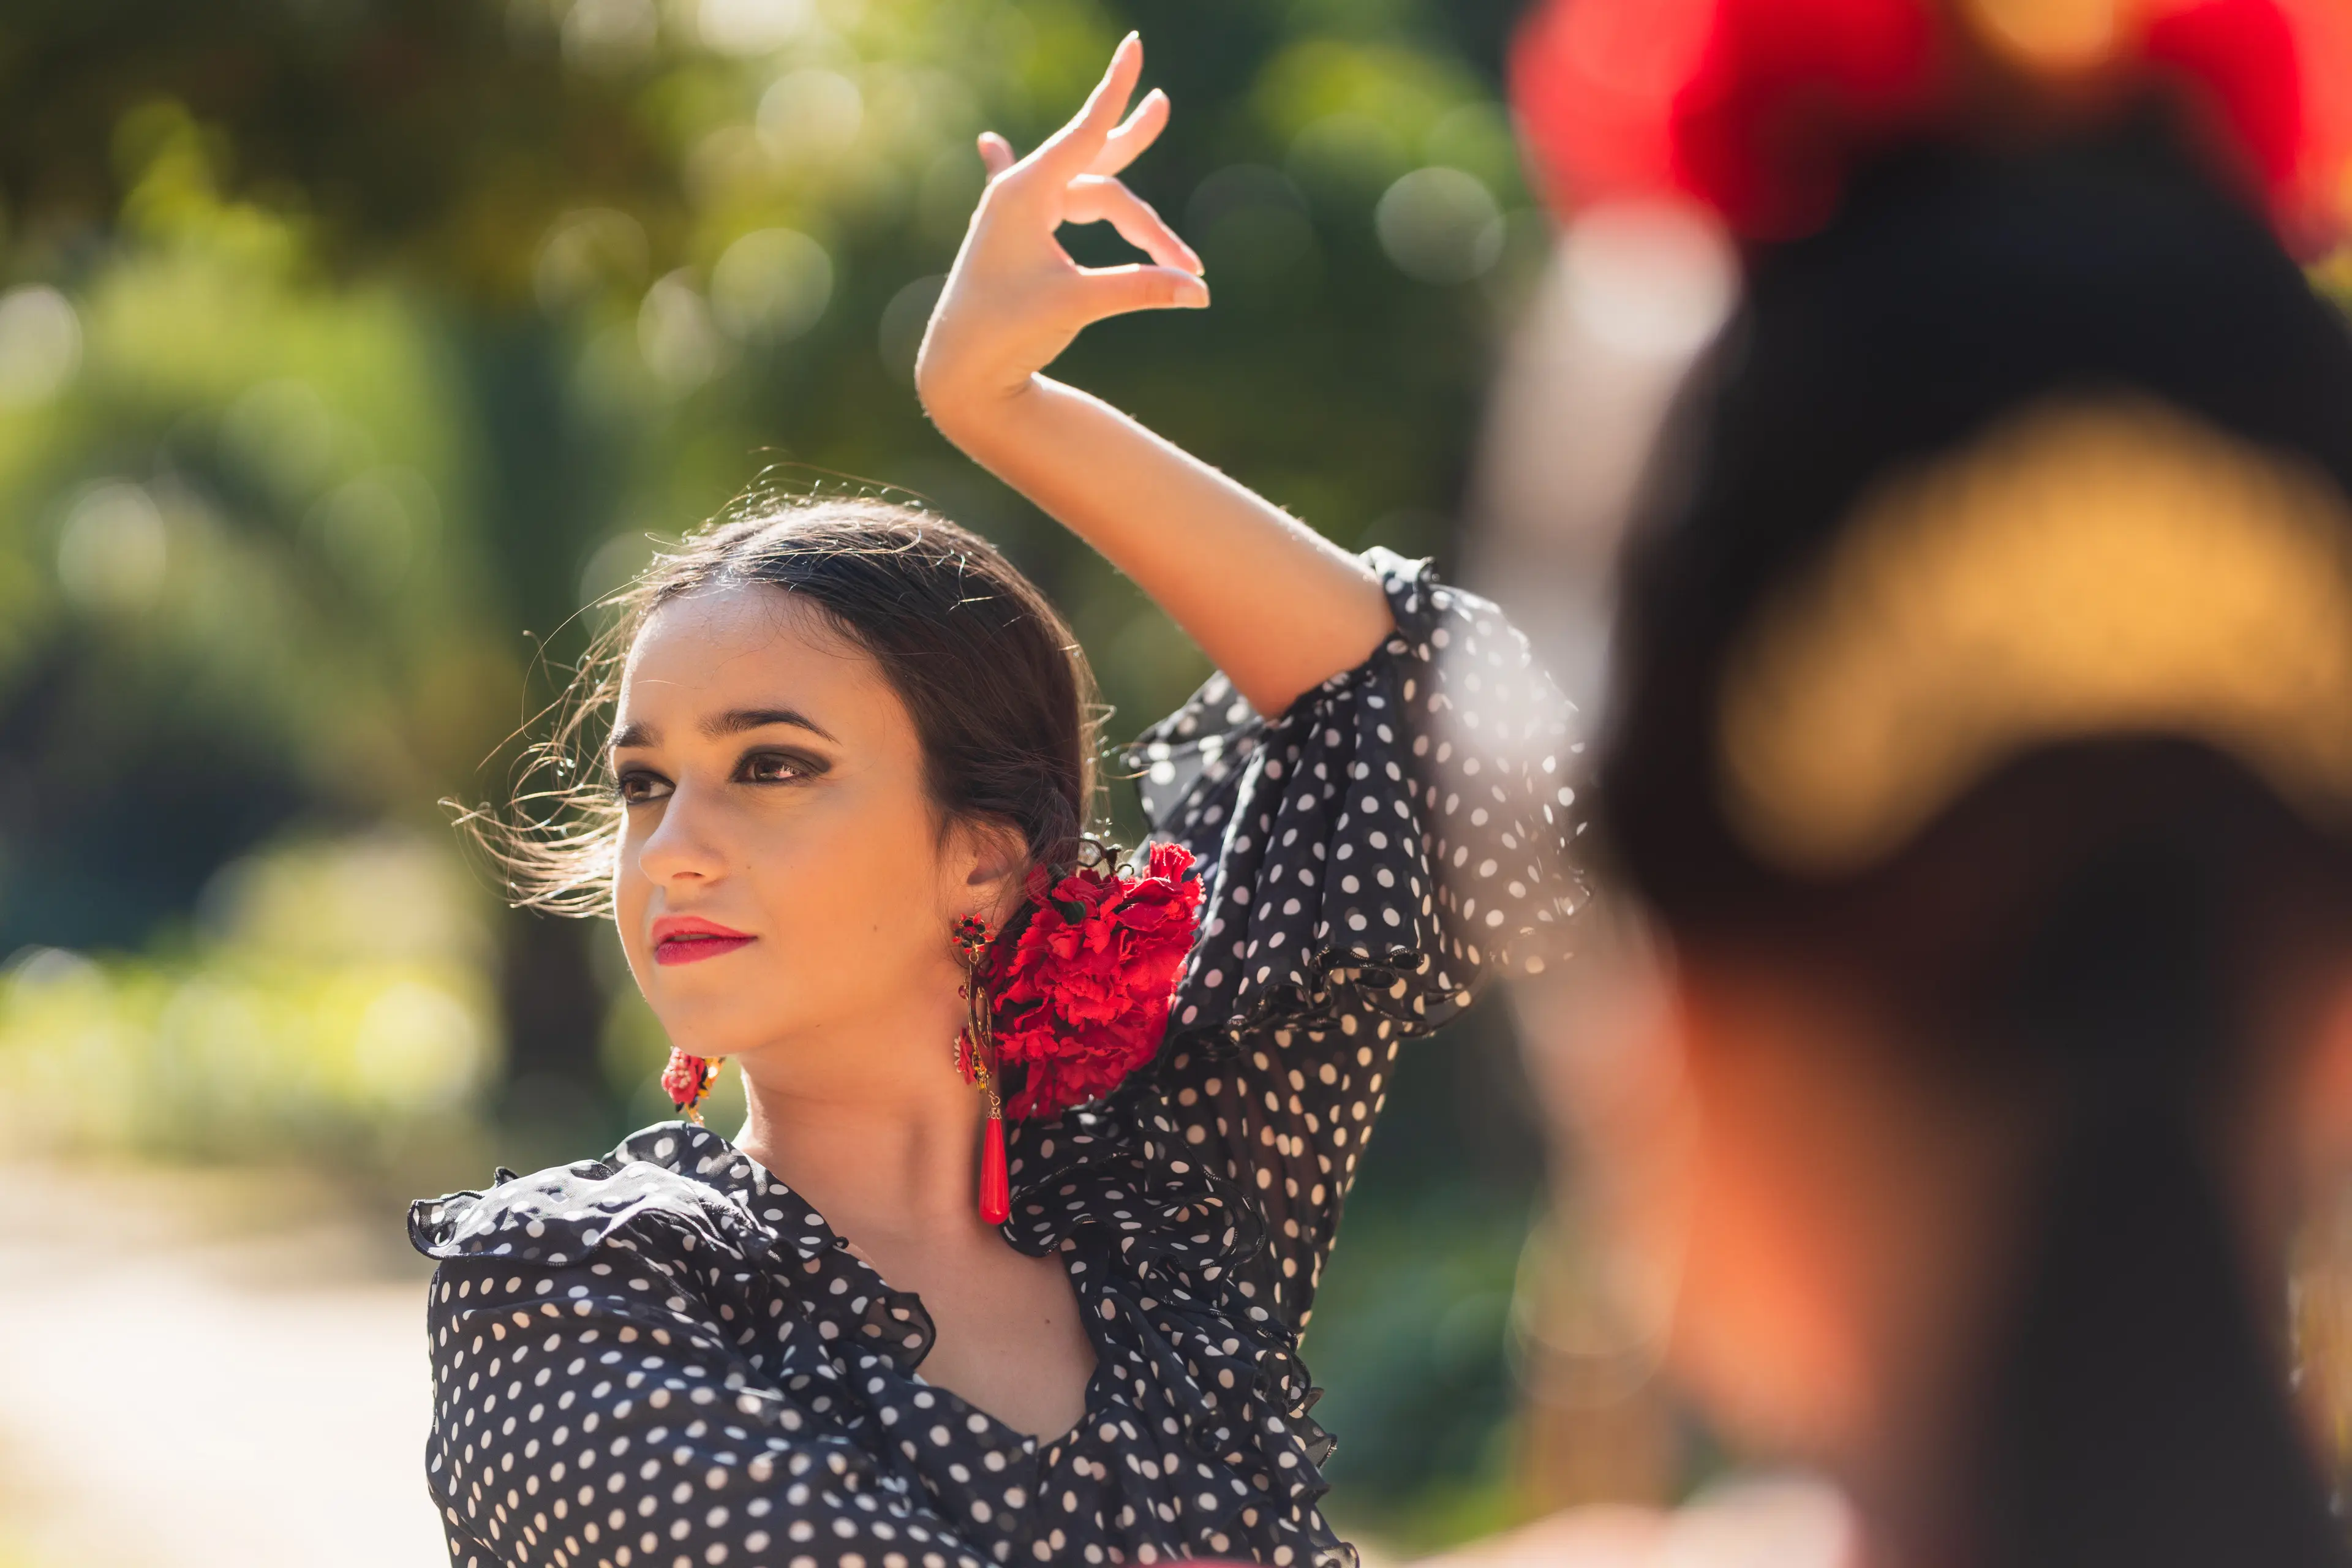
point(1160, 1239)
point(677, 1187)
point(1113, 1185)
point(1454, 708)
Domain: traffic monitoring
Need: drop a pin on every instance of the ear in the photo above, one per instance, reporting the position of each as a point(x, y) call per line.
point(2325, 1092)
point(986, 862)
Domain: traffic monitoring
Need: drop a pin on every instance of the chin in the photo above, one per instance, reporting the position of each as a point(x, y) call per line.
point(715, 1028)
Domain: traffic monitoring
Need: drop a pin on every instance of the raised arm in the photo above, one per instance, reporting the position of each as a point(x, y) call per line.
point(1279, 608)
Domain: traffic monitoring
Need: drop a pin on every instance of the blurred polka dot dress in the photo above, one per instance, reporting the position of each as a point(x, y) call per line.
point(666, 1357)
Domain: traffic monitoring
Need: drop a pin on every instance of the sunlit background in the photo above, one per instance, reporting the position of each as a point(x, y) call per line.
point(349, 349)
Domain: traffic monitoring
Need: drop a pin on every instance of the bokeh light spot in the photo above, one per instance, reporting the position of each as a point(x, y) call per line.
point(1440, 226)
point(40, 344)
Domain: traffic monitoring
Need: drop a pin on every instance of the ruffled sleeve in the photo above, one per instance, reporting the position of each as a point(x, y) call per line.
point(1403, 833)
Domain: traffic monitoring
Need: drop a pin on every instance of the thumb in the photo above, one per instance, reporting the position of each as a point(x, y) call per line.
point(1119, 291)
point(995, 154)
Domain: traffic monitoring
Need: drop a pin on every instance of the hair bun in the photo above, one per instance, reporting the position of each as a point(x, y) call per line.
point(1759, 109)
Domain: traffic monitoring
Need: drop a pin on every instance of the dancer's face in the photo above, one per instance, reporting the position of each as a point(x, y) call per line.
point(1800, 1221)
point(773, 785)
point(1837, 1215)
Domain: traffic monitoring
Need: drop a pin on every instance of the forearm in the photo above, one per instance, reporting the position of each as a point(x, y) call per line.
point(1279, 609)
point(1274, 604)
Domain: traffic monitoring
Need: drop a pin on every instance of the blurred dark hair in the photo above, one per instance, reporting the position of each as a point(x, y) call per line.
point(1000, 693)
point(2091, 927)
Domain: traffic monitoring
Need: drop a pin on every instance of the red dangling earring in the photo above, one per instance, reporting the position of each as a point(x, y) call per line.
point(687, 1079)
point(975, 1057)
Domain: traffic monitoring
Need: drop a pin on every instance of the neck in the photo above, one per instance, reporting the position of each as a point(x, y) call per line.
point(887, 1150)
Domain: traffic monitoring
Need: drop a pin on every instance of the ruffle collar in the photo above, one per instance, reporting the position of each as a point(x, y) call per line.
point(1159, 1247)
point(690, 1188)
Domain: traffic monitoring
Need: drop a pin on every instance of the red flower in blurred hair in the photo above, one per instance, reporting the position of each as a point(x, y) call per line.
point(2275, 77)
point(1083, 1000)
point(1750, 107)
point(1757, 108)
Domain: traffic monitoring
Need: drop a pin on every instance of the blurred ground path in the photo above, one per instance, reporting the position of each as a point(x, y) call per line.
point(202, 1369)
point(1743, 1521)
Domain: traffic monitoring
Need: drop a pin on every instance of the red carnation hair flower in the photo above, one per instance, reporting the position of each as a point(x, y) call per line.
point(1082, 1000)
point(2275, 80)
point(1749, 107)
point(1757, 109)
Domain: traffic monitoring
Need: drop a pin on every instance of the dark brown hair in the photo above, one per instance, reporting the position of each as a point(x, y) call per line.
point(1000, 693)
point(2087, 942)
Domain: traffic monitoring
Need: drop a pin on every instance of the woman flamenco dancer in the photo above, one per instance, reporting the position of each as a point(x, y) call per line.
point(1046, 1149)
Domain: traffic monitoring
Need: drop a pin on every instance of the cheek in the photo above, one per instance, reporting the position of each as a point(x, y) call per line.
point(1758, 1328)
point(847, 887)
point(851, 894)
point(632, 894)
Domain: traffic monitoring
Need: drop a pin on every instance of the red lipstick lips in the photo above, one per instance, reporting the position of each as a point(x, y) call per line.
point(690, 939)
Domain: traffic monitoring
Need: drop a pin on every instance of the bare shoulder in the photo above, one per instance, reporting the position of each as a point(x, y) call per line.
point(1786, 1523)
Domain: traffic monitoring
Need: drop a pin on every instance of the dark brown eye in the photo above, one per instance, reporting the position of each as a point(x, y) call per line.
point(636, 786)
point(777, 768)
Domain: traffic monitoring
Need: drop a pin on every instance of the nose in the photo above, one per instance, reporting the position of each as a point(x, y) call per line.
point(683, 846)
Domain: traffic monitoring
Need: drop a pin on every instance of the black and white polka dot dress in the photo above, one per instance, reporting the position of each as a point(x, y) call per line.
point(665, 1357)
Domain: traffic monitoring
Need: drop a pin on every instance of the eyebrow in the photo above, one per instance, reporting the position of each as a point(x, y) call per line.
point(734, 721)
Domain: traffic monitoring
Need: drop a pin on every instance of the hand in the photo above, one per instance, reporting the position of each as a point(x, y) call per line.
point(1014, 300)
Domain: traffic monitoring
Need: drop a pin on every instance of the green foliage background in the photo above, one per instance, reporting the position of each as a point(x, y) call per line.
point(350, 348)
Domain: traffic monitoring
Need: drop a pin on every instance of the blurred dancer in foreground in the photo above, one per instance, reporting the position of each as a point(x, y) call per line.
point(1980, 748)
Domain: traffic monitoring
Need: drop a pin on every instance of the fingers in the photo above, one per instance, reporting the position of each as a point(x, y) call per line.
point(995, 154)
point(1070, 151)
point(1119, 291)
point(1093, 199)
point(1142, 128)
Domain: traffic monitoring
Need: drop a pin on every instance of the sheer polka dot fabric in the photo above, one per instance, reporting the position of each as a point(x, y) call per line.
point(1401, 834)
point(665, 1356)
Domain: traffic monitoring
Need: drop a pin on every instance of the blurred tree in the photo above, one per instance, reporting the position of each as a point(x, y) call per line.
point(652, 248)
point(349, 350)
